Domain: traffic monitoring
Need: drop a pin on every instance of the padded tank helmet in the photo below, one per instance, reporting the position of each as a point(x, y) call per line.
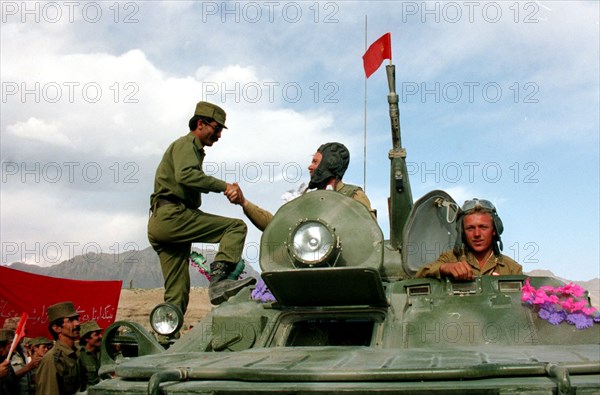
point(334, 163)
point(478, 205)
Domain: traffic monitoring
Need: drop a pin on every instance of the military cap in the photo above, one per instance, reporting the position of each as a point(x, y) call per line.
point(6, 334)
point(89, 327)
point(209, 110)
point(36, 341)
point(11, 323)
point(61, 310)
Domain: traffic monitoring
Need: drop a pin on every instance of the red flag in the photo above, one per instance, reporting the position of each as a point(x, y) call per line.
point(379, 50)
point(19, 334)
point(33, 293)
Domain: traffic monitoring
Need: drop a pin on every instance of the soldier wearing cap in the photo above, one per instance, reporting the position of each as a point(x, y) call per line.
point(89, 353)
point(9, 383)
point(176, 222)
point(22, 365)
point(326, 169)
point(59, 371)
point(477, 248)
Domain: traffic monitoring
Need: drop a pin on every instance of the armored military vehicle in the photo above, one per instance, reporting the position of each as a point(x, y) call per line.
point(349, 315)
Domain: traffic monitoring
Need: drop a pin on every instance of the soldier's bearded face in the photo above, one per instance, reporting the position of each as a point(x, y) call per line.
point(316, 160)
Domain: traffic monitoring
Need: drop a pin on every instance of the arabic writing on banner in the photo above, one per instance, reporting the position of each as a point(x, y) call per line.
point(22, 292)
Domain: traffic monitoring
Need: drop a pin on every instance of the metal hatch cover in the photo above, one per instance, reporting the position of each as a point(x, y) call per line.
point(343, 286)
point(429, 231)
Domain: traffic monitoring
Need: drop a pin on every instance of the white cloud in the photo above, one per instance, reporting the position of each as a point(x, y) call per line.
point(37, 129)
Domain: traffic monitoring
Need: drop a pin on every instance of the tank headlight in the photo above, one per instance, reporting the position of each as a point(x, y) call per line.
point(166, 319)
point(313, 243)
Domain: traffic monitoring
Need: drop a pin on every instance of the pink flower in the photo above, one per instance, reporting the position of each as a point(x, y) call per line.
point(571, 289)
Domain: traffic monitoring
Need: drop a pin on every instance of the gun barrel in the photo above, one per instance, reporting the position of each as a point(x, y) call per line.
point(400, 193)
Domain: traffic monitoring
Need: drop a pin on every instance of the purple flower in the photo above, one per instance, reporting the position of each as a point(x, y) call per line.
point(261, 293)
point(549, 313)
point(580, 320)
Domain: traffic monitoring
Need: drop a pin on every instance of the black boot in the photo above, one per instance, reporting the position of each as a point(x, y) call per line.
point(221, 288)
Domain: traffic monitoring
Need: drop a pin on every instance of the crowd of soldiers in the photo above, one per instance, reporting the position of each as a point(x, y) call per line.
point(67, 364)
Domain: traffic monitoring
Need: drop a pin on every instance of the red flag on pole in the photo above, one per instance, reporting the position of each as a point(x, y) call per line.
point(379, 50)
point(19, 334)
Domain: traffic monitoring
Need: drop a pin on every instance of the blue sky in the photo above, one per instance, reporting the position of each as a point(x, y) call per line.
point(498, 100)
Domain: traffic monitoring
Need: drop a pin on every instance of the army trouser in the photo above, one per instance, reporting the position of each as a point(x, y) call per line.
point(173, 228)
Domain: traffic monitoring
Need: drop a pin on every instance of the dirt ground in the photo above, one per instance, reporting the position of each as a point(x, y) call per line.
point(136, 305)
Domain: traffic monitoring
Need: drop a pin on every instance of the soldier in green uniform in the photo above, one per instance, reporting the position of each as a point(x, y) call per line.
point(9, 383)
point(176, 222)
point(326, 170)
point(477, 248)
point(89, 353)
point(59, 372)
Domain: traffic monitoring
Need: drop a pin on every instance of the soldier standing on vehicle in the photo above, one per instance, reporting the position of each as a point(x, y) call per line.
point(59, 372)
point(477, 248)
point(176, 222)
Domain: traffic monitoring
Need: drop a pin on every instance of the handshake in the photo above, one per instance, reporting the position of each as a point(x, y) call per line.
point(234, 194)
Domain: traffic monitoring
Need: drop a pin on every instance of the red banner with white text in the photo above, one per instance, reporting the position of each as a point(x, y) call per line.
point(22, 292)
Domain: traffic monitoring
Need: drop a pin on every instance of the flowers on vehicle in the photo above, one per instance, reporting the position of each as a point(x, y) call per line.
point(566, 303)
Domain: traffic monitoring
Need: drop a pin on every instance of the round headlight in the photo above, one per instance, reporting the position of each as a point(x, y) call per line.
point(166, 319)
point(312, 243)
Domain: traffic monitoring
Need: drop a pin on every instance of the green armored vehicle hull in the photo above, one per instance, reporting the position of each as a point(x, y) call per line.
point(350, 317)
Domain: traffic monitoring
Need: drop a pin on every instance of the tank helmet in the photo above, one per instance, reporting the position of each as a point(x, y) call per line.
point(334, 163)
point(483, 206)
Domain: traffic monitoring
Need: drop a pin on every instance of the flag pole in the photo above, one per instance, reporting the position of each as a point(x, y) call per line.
point(365, 123)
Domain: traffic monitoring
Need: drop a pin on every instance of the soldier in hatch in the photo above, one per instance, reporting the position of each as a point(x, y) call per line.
point(477, 248)
point(326, 170)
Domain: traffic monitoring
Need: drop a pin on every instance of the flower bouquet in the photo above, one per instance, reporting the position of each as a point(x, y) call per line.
point(565, 303)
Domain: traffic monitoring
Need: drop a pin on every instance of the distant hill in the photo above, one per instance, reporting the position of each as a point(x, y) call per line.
point(137, 269)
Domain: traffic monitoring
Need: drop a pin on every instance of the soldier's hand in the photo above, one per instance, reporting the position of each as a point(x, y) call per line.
point(4, 368)
point(457, 270)
point(234, 194)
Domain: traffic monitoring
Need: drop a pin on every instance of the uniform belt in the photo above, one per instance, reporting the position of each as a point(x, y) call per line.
point(163, 202)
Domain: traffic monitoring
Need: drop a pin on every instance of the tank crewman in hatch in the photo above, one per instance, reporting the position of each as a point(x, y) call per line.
point(477, 248)
point(176, 222)
point(59, 372)
point(326, 170)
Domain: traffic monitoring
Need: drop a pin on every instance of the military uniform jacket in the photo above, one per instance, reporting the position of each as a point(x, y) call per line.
point(501, 265)
point(90, 363)
point(9, 384)
point(59, 372)
point(261, 218)
point(179, 176)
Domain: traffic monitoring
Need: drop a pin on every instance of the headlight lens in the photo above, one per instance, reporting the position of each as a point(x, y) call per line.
point(312, 243)
point(166, 319)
